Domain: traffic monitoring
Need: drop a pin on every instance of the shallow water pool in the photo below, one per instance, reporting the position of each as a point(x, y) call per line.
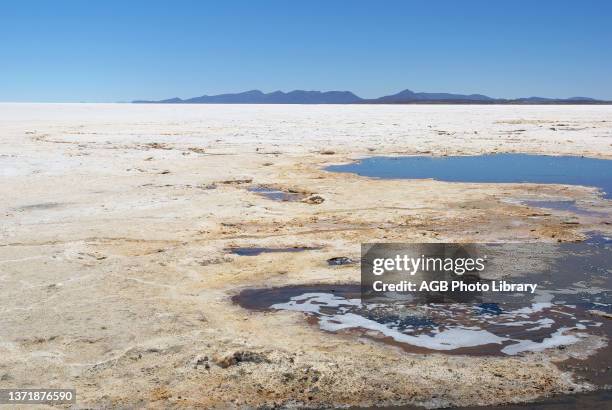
point(495, 168)
point(571, 286)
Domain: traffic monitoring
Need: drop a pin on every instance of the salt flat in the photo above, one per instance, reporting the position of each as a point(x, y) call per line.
point(116, 280)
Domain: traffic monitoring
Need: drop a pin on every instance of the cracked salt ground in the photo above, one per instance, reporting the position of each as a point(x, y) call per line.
point(448, 327)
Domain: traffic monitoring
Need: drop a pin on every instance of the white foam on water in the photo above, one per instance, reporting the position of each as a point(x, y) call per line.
point(544, 323)
point(448, 339)
point(536, 307)
point(312, 302)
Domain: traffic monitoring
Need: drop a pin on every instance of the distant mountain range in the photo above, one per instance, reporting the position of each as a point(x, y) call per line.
point(276, 97)
point(347, 97)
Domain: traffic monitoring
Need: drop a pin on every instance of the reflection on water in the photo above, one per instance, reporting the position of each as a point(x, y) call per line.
point(497, 168)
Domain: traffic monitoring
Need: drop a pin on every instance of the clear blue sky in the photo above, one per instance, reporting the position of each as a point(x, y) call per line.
point(106, 50)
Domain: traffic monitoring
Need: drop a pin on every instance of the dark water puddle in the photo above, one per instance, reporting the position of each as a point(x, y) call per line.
point(495, 168)
point(557, 316)
point(599, 400)
point(596, 238)
point(262, 299)
point(248, 251)
point(447, 328)
point(277, 195)
point(340, 261)
point(557, 319)
point(597, 368)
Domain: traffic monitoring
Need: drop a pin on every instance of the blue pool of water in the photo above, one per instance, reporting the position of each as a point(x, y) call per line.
point(495, 168)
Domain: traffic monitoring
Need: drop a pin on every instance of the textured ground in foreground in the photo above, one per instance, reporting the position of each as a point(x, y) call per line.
point(115, 281)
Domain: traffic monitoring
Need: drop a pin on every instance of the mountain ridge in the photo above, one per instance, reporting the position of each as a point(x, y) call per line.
point(406, 96)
